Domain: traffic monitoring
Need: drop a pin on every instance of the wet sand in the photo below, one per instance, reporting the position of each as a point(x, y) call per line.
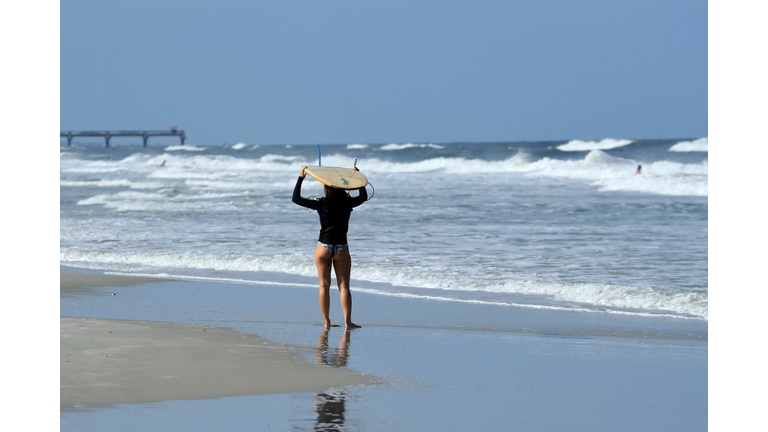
point(104, 362)
point(415, 364)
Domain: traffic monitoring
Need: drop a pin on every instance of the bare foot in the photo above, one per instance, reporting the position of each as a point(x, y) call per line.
point(352, 325)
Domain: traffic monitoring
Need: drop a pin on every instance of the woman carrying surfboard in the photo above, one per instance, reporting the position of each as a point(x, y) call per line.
point(332, 249)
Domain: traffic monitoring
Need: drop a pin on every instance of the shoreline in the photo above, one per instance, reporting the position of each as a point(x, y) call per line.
point(186, 352)
point(398, 311)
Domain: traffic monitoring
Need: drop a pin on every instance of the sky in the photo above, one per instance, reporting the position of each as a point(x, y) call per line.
point(293, 72)
point(391, 71)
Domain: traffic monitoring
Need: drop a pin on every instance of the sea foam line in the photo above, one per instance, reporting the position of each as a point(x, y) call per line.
point(394, 147)
point(606, 144)
point(602, 296)
point(404, 295)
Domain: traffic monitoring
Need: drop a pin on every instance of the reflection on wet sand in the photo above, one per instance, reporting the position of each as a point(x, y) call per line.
point(330, 405)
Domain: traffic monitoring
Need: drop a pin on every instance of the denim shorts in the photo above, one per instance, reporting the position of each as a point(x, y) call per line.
point(333, 249)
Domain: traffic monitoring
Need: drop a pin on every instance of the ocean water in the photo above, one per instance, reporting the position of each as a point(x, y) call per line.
point(556, 225)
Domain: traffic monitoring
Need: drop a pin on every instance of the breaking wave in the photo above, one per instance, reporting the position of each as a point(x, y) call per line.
point(606, 144)
point(699, 145)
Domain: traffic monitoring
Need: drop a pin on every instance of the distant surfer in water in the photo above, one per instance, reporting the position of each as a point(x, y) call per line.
point(639, 168)
point(332, 249)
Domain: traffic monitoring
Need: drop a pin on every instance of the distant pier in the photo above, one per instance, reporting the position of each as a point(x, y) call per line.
point(145, 134)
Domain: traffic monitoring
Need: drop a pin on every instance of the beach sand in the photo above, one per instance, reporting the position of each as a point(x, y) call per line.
point(73, 283)
point(104, 362)
point(118, 362)
point(214, 355)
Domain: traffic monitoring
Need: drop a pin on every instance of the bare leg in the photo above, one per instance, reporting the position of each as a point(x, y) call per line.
point(342, 263)
point(323, 262)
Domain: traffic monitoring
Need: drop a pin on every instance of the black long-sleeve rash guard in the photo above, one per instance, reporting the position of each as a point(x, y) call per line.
point(334, 222)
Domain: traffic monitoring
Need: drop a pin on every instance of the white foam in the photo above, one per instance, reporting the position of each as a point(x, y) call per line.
point(689, 303)
point(453, 165)
point(357, 146)
point(161, 202)
point(93, 168)
point(113, 183)
point(629, 300)
point(200, 182)
point(224, 185)
point(699, 145)
point(188, 147)
point(603, 295)
point(96, 183)
point(394, 147)
point(282, 159)
point(133, 163)
point(137, 261)
point(239, 146)
point(221, 166)
point(606, 144)
point(521, 305)
point(608, 173)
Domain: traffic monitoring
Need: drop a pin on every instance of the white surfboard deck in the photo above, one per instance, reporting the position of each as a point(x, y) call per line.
point(342, 178)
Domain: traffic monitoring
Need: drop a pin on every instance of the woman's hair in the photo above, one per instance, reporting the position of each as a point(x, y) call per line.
point(334, 199)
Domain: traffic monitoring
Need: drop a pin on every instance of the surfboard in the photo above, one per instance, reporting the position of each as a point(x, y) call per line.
point(343, 178)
